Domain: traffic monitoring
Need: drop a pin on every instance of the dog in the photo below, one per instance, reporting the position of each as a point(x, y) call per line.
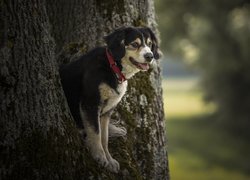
point(96, 82)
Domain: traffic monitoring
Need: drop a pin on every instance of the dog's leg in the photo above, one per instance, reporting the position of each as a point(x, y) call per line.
point(93, 135)
point(113, 164)
point(115, 131)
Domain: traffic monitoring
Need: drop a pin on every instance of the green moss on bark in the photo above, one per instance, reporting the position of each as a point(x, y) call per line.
point(107, 7)
point(139, 22)
point(73, 48)
point(143, 85)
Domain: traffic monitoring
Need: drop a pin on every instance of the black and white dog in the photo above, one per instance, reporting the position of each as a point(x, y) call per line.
point(95, 83)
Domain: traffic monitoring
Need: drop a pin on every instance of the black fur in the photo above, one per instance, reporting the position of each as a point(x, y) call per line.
point(80, 80)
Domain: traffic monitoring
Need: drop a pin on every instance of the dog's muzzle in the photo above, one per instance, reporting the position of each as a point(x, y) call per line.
point(141, 66)
point(149, 57)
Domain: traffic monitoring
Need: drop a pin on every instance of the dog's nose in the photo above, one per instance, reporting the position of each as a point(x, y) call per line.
point(148, 57)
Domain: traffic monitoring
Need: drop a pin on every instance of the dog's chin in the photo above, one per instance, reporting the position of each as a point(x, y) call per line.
point(140, 66)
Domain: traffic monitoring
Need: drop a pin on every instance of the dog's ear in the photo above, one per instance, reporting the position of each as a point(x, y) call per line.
point(155, 46)
point(115, 43)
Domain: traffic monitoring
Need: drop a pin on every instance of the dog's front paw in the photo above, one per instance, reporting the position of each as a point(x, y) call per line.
point(101, 159)
point(115, 131)
point(113, 166)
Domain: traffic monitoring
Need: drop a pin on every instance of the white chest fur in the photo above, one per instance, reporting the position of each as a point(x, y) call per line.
point(111, 97)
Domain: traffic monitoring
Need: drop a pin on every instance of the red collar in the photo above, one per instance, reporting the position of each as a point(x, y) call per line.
point(120, 77)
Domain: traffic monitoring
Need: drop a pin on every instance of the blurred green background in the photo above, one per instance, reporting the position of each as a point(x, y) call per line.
point(206, 70)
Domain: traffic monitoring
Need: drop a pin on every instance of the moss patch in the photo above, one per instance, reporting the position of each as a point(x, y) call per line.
point(143, 86)
point(107, 7)
point(73, 48)
point(139, 22)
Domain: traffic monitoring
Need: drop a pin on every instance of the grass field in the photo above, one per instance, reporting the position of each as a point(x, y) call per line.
point(198, 149)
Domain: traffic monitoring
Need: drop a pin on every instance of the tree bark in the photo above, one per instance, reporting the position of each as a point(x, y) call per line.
point(38, 137)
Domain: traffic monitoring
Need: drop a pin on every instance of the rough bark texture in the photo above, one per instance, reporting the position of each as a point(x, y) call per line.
point(38, 139)
point(38, 136)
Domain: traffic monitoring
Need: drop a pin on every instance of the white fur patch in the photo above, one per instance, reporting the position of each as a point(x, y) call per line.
point(113, 165)
point(128, 69)
point(144, 51)
point(113, 97)
point(93, 140)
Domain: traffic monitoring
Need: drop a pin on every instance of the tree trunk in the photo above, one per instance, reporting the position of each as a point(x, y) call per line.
point(38, 137)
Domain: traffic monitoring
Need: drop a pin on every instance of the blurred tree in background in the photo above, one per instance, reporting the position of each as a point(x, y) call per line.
point(214, 35)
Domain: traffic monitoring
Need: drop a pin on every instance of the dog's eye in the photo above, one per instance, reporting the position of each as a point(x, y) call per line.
point(134, 45)
point(150, 44)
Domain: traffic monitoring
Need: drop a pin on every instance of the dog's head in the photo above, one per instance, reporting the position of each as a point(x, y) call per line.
point(137, 46)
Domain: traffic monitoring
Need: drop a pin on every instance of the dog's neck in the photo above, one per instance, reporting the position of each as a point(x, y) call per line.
point(128, 69)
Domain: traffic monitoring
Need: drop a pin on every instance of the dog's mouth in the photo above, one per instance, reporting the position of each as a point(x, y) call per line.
point(141, 66)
